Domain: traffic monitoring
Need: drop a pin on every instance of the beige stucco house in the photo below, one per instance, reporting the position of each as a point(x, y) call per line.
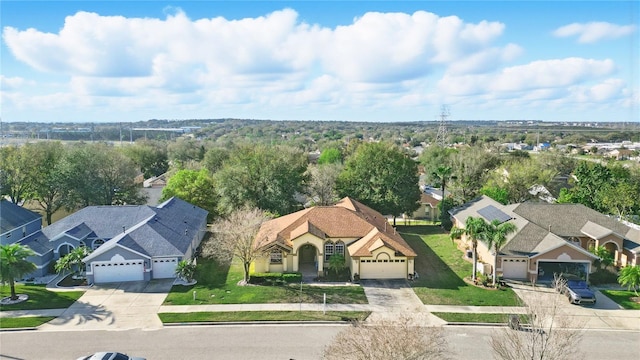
point(304, 241)
point(550, 238)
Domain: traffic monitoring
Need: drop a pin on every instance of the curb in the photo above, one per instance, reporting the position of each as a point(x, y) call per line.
point(222, 323)
point(18, 329)
point(475, 324)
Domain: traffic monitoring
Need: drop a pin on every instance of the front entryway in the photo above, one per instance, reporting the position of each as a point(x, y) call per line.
point(308, 261)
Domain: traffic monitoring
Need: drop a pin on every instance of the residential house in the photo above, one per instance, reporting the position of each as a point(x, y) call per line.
point(131, 242)
point(550, 238)
point(429, 204)
point(17, 222)
point(304, 241)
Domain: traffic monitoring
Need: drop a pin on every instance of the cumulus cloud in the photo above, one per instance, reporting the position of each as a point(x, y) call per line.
point(11, 83)
point(592, 32)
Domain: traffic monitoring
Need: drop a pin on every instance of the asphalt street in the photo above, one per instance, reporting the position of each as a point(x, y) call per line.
point(263, 342)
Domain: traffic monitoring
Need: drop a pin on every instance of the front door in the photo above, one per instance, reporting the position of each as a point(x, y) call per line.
point(307, 254)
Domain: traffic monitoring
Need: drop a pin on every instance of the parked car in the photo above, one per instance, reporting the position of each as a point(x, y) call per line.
point(576, 289)
point(111, 355)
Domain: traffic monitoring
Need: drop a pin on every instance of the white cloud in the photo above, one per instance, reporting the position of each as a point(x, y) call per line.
point(592, 32)
point(11, 83)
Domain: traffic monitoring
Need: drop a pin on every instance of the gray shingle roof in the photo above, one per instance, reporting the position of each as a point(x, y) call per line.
point(38, 242)
point(567, 220)
point(13, 216)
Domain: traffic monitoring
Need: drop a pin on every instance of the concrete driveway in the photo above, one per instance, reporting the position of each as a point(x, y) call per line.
point(605, 314)
point(392, 299)
point(115, 306)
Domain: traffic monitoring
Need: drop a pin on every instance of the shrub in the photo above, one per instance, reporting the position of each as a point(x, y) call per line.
point(602, 276)
point(292, 277)
point(266, 278)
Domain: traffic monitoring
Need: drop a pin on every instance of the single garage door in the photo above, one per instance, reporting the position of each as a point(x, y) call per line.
point(383, 269)
point(514, 268)
point(164, 268)
point(116, 271)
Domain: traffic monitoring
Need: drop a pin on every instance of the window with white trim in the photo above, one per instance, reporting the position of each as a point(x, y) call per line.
point(97, 243)
point(339, 248)
point(328, 251)
point(276, 257)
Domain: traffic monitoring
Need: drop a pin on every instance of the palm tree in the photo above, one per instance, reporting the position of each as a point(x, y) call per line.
point(474, 229)
point(630, 277)
point(73, 260)
point(14, 264)
point(442, 174)
point(186, 270)
point(495, 236)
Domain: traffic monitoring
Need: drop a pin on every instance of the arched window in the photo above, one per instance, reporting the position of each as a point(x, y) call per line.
point(339, 248)
point(64, 249)
point(328, 250)
point(97, 243)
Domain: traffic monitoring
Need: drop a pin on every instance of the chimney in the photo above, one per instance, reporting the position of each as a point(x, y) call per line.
point(549, 227)
point(186, 232)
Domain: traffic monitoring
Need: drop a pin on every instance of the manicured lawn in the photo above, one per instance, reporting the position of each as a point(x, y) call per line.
point(623, 298)
point(24, 322)
point(218, 285)
point(442, 268)
point(39, 298)
point(263, 316)
point(473, 317)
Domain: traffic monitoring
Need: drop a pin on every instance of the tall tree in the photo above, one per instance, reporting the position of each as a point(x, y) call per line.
point(322, 183)
point(14, 264)
point(15, 174)
point(382, 177)
point(471, 166)
point(235, 237)
point(474, 229)
point(266, 177)
point(150, 156)
point(495, 236)
point(49, 182)
point(195, 187)
point(330, 156)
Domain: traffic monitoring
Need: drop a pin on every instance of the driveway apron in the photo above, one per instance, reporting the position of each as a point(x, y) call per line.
point(605, 314)
point(393, 299)
point(115, 306)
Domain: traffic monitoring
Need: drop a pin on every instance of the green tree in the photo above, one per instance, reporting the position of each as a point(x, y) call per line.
point(49, 183)
point(266, 177)
point(186, 270)
point(73, 261)
point(471, 166)
point(606, 258)
point(194, 187)
point(14, 264)
point(382, 177)
point(214, 158)
point(150, 156)
point(97, 174)
point(15, 174)
point(496, 236)
point(474, 229)
point(630, 276)
point(185, 150)
point(621, 198)
point(337, 263)
point(498, 194)
point(330, 156)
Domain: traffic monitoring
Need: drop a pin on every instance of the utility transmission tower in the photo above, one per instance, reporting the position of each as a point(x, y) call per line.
point(441, 137)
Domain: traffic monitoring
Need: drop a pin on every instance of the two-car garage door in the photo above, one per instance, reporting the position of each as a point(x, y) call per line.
point(383, 269)
point(116, 271)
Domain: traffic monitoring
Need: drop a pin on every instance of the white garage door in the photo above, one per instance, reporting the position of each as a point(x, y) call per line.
point(116, 271)
point(164, 268)
point(383, 269)
point(514, 268)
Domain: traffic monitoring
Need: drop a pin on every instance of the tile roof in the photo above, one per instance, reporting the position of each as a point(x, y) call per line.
point(13, 216)
point(347, 219)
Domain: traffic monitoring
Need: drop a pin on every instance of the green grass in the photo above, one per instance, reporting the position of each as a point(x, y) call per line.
point(473, 317)
point(39, 298)
point(442, 268)
point(263, 316)
point(622, 298)
point(24, 322)
point(218, 285)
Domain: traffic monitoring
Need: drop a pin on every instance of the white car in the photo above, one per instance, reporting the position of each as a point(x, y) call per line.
point(109, 355)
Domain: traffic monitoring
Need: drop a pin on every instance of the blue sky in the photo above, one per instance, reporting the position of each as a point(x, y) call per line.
point(109, 61)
